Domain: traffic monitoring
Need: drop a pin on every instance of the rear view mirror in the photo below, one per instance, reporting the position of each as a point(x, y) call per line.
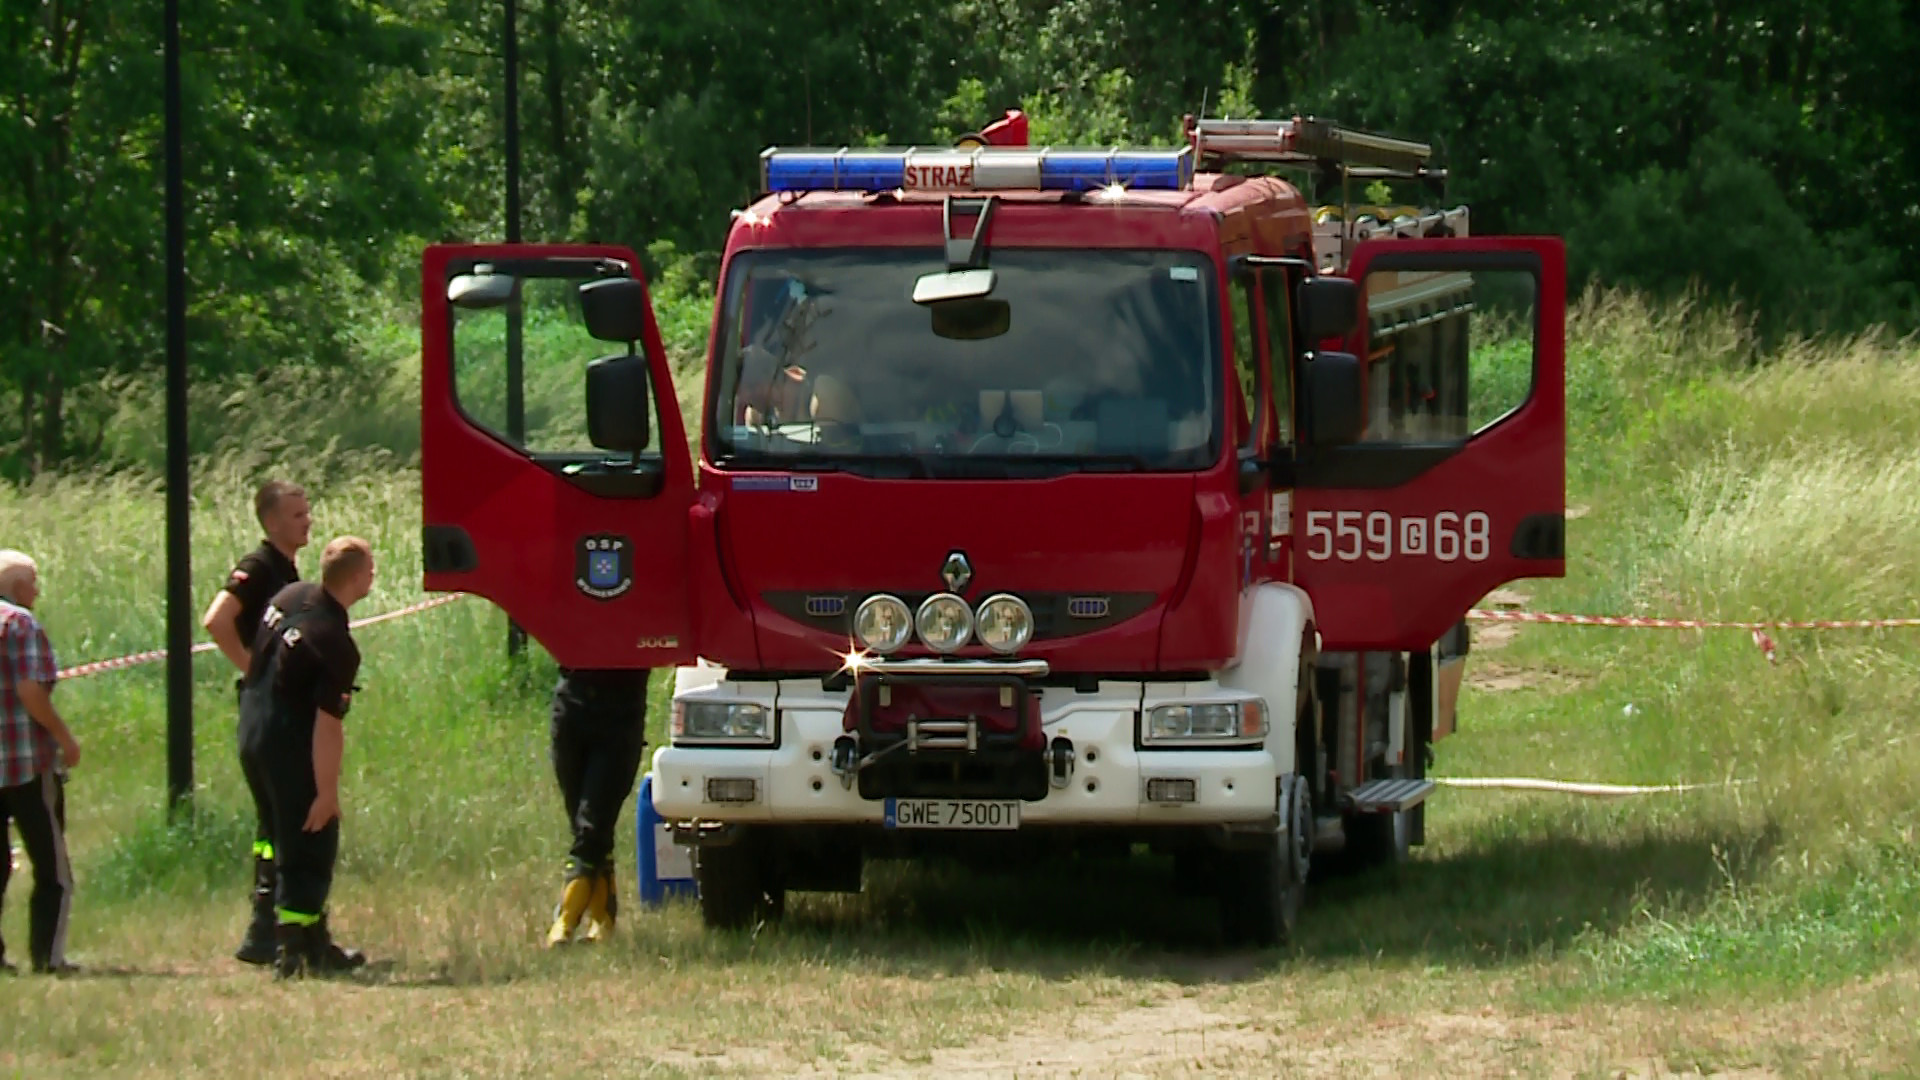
point(953, 285)
point(971, 320)
point(1329, 308)
point(1334, 405)
point(617, 402)
point(615, 309)
point(481, 289)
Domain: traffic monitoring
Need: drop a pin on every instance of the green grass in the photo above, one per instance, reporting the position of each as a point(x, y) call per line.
point(1772, 924)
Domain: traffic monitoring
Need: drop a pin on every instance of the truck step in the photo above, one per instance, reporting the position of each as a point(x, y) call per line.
point(1390, 796)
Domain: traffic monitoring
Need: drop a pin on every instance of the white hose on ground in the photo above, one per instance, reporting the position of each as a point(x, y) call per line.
point(1570, 787)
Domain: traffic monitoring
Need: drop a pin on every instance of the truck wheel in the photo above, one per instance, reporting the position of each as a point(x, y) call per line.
point(1262, 890)
point(736, 887)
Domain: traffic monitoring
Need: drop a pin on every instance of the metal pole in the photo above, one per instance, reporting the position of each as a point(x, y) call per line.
point(516, 398)
point(179, 561)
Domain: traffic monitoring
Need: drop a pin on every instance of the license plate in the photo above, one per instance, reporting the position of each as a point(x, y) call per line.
point(953, 814)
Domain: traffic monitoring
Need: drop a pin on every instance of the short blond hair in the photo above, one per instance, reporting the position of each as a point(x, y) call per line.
point(15, 567)
point(344, 557)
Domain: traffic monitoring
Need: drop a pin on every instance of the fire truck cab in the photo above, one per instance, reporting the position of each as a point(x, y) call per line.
point(1043, 501)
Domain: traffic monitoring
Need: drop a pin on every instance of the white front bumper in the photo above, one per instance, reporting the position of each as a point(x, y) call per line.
point(796, 785)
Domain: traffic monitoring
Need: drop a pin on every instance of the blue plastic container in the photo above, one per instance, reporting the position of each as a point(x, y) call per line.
point(666, 868)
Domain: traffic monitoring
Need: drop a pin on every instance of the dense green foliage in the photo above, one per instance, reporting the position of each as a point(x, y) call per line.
point(1764, 149)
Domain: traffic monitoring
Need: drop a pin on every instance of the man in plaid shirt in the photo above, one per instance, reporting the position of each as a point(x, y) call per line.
point(36, 749)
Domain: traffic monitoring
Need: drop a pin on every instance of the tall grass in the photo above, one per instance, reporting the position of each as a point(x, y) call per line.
point(1721, 483)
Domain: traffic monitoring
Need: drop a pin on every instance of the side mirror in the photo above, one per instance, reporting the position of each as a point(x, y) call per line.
point(617, 403)
point(1335, 412)
point(615, 309)
point(1329, 307)
point(477, 291)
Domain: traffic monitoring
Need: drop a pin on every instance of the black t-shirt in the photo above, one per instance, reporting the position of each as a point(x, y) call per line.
point(258, 575)
point(304, 653)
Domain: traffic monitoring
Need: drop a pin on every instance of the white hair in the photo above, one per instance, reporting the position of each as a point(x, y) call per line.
point(15, 567)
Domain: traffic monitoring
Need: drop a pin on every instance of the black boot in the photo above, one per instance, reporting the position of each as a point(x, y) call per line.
point(310, 950)
point(258, 947)
point(330, 958)
point(291, 949)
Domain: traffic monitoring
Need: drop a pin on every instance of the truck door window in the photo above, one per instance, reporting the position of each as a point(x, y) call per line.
point(554, 349)
point(1276, 291)
point(1246, 362)
point(1448, 354)
point(1111, 360)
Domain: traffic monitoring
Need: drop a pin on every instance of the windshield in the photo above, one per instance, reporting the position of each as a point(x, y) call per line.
point(1109, 360)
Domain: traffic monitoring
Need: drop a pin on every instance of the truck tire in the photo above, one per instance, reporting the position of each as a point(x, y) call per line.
point(1262, 890)
point(736, 886)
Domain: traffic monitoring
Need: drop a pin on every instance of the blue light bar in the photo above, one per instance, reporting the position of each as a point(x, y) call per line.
point(1005, 168)
point(832, 170)
point(1086, 170)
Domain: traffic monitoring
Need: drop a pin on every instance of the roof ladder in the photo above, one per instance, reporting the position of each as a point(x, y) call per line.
point(1338, 155)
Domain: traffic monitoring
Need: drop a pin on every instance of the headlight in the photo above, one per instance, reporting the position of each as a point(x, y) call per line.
point(1211, 722)
point(722, 721)
point(945, 622)
point(882, 623)
point(1004, 623)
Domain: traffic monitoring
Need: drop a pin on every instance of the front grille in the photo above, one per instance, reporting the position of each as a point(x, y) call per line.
point(1012, 774)
point(1056, 615)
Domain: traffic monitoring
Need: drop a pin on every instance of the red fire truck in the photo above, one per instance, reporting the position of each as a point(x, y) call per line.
point(1044, 501)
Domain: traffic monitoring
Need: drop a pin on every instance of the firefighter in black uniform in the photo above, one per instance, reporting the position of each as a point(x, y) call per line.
point(599, 736)
point(232, 620)
point(296, 695)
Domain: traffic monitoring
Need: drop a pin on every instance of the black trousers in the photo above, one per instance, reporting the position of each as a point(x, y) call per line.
point(39, 808)
point(262, 801)
point(599, 737)
point(279, 752)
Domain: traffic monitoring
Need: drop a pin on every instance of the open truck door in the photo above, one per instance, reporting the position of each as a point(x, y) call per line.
point(559, 487)
point(1450, 478)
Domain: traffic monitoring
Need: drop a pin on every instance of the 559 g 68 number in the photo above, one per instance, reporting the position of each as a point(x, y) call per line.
point(1376, 536)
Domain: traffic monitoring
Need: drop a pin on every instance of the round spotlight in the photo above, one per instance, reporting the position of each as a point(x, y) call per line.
point(882, 623)
point(1004, 623)
point(945, 622)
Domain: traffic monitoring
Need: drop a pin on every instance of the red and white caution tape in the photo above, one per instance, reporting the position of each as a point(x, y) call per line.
point(1690, 624)
point(153, 655)
point(1757, 628)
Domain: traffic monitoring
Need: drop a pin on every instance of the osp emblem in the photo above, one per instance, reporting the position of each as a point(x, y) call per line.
point(956, 571)
point(603, 566)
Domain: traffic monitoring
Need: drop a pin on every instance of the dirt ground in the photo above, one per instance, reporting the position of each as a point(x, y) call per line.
point(1836, 1032)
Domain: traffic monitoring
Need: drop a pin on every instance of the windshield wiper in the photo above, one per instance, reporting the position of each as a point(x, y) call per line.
point(1110, 462)
point(879, 466)
point(1060, 464)
point(948, 467)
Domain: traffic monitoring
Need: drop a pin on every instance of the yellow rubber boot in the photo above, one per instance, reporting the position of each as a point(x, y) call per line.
point(602, 909)
point(574, 901)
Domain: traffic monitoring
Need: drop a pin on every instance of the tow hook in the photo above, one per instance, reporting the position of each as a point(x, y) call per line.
point(1060, 758)
point(845, 762)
